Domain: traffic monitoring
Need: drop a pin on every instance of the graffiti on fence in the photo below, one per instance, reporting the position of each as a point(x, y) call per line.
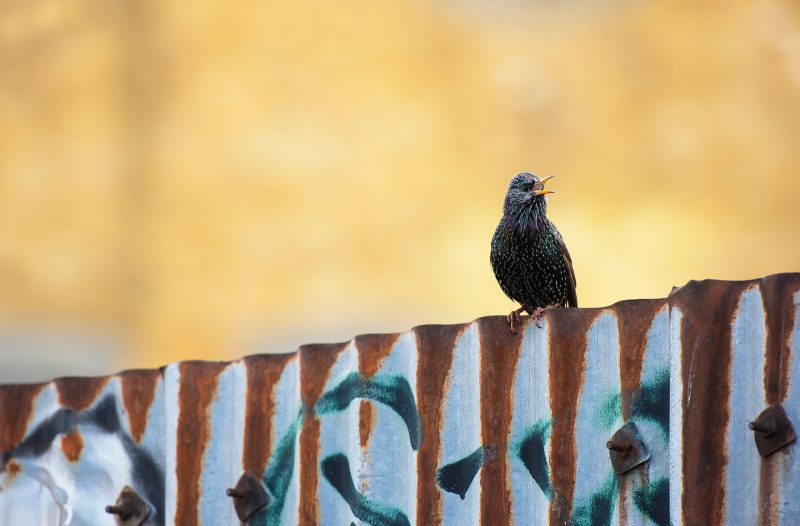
point(336, 469)
point(442, 424)
point(91, 440)
point(650, 407)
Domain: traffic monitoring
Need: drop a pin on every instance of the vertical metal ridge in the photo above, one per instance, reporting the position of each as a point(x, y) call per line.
point(460, 440)
point(597, 417)
point(778, 301)
point(634, 321)
point(316, 361)
point(221, 460)
point(707, 310)
point(769, 490)
point(138, 390)
point(530, 429)
point(676, 405)
point(435, 348)
point(344, 485)
point(499, 352)
point(746, 400)
point(778, 296)
point(788, 465)
point(649, 484)
point(263, 373)
point(567, 334)
point(197, 389)
point(372, 350)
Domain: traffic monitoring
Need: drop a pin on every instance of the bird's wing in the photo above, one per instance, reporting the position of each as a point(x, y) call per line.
point(572, 296)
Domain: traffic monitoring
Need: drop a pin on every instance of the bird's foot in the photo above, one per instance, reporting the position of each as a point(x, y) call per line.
point(514, 319)
point(537, 316)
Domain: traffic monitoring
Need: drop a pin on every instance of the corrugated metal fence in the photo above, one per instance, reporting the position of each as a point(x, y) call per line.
point(457, 424)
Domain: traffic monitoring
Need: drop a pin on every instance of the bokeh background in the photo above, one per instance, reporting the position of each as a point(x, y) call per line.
point(212, 179)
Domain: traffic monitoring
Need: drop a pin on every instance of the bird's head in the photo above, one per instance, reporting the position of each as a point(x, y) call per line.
point(525, 191)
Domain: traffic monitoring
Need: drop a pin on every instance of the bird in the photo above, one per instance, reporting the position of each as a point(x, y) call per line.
point(528, 255)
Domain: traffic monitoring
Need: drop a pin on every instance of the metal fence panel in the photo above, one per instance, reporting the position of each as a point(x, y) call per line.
point(457, 424)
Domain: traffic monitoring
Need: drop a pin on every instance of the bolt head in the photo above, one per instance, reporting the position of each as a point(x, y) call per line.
point(130, 509)
point(772, 430)
point(249, 496)
point(627, 449)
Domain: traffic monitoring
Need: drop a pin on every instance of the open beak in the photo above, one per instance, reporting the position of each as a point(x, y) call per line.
point(538, 189)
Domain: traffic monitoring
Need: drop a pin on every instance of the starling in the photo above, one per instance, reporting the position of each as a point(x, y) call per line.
point(529, 257)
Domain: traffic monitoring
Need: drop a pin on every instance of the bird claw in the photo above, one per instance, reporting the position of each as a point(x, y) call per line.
point(514, 320)
point(537, 316)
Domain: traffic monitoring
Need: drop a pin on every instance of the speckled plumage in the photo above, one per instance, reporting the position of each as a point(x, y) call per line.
point(528, 256)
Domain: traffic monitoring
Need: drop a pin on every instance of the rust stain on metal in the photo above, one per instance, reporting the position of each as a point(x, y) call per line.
point(435, 347)
point(625, 484)
point(263, 373)
point(500, 351)
point(366, 421)
point(705, 385)
point(778, 293)
point(13, 424)
point(769, 494)
point(708, 308)
point(72, 445)
point(567, 329)
point(638, 478)
point(634, 320)
point(372, 350)
point(198, 386)
point(78, 393)
point(138, 391)
point(316, 361)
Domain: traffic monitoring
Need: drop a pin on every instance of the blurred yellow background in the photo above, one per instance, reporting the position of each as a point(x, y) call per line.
point(209, 179)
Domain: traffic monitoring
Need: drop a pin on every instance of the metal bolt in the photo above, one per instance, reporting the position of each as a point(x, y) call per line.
point(249, 496)
point(623, 449)
point(123, 511)
point(235, 493)
point(626, 449)
point(773, 430)
point(130, 508)
point(767, 427)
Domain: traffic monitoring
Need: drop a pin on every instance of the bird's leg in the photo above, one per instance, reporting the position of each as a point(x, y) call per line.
point(514, 319)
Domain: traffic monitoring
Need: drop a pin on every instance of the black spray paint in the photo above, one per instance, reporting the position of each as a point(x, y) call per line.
point(336, 470)
point(531, 451)
point(391, 390)
point(653, 501)
point(598, 511)
point(652, 401)
point(457, 477)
